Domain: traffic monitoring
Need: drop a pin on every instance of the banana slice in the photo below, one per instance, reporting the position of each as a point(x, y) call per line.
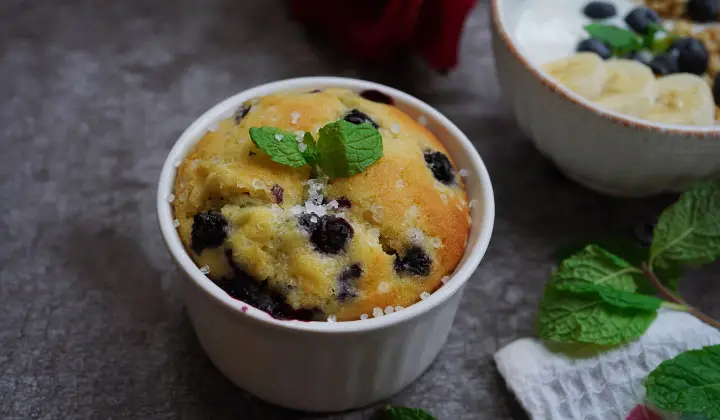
point(682, 98)
point(582, 73)
point(629, 87)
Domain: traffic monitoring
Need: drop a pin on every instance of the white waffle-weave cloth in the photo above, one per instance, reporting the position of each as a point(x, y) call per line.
point(553, 386)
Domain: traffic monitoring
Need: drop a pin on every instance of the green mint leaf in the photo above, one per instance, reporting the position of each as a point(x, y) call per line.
point(668, 273)
point(594, 265)
point(688, 383)
point(635, 254)
point(660, 45)
point(614, 297)
point(281, 146)
point(657, 44)
point(568, 317)
point(405, 413)
point(310, 153)
point(346, 149)
point(620, 40)
point(591, 299)
point(688, 232)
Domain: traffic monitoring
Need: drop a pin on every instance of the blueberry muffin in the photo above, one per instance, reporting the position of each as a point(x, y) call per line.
point(300, 245)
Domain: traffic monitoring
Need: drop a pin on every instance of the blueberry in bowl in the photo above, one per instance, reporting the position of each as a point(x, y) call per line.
point(599, 10)
point(595, 46)
point(691, 55)
point(702, 10)
point(641, 18)
point(664, 64)
point(316, 228)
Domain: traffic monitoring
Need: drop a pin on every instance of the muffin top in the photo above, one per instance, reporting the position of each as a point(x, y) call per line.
point(299, 244)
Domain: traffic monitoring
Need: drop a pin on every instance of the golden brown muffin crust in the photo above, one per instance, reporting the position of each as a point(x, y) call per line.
point(397, 205)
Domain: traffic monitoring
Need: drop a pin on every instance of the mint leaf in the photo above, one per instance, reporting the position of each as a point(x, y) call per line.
point(591, 299)
point(594, 265)
point(405, 413)
point(280, 145)
point(310, 153)
point(614, 297)
point(660, 45)
point(582, 318)
point(346, 149)
point(688, 232)
point(635, 254)
point(688, 383)
point(620, 40)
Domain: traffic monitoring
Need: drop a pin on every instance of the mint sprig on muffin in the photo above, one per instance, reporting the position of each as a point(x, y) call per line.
point(343, 149)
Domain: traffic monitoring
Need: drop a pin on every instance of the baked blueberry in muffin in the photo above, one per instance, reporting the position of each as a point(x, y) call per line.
point(302, 232)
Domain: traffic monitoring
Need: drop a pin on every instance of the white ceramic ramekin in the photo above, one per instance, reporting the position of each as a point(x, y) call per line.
point(609, 152)
point(321, 366)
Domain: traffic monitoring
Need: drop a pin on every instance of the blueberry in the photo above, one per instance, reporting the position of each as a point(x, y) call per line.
point(702, 10)
point(241, 113)
point(640, 18)
point(258, 294)
point(440, 166)
point(328, 233)
point(415, 262)
point(357, 117)
point(377, 96)
point(346, 287)
point(716, 89)
point(664, 64)
point(209, 230)
point(277, 192)
point(599, 10)
point(692, 56)
point(305, 221)
point(595, 46)
point(344, 203)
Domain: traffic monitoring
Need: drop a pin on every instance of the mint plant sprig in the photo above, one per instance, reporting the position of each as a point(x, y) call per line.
point(598, 297)
point(343, 149)
point(623, 41)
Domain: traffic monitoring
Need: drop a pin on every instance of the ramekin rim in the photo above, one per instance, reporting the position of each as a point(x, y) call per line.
point(700, 133)
point(225, 107)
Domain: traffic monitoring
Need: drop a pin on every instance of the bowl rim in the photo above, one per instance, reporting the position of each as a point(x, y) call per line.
point(702, 133)
point(225, 108)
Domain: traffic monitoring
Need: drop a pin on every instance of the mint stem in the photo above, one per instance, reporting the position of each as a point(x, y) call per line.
point(675, 299)
point(675, 306)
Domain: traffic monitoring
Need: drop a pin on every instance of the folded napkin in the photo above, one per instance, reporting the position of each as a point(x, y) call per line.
point(608, 386)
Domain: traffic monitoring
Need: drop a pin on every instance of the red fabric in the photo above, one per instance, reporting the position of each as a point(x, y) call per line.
point(375, 29)
point(641, 412)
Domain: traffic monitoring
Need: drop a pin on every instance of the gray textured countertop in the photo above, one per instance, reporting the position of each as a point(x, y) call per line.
point(93, 96)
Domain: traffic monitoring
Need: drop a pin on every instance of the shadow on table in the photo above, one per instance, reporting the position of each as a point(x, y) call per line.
point(514, 407)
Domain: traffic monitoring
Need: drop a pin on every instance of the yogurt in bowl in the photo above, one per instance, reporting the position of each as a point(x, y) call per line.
point(610, 143)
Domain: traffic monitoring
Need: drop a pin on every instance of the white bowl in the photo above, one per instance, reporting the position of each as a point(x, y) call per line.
point(606, 151)
point(321, 366)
